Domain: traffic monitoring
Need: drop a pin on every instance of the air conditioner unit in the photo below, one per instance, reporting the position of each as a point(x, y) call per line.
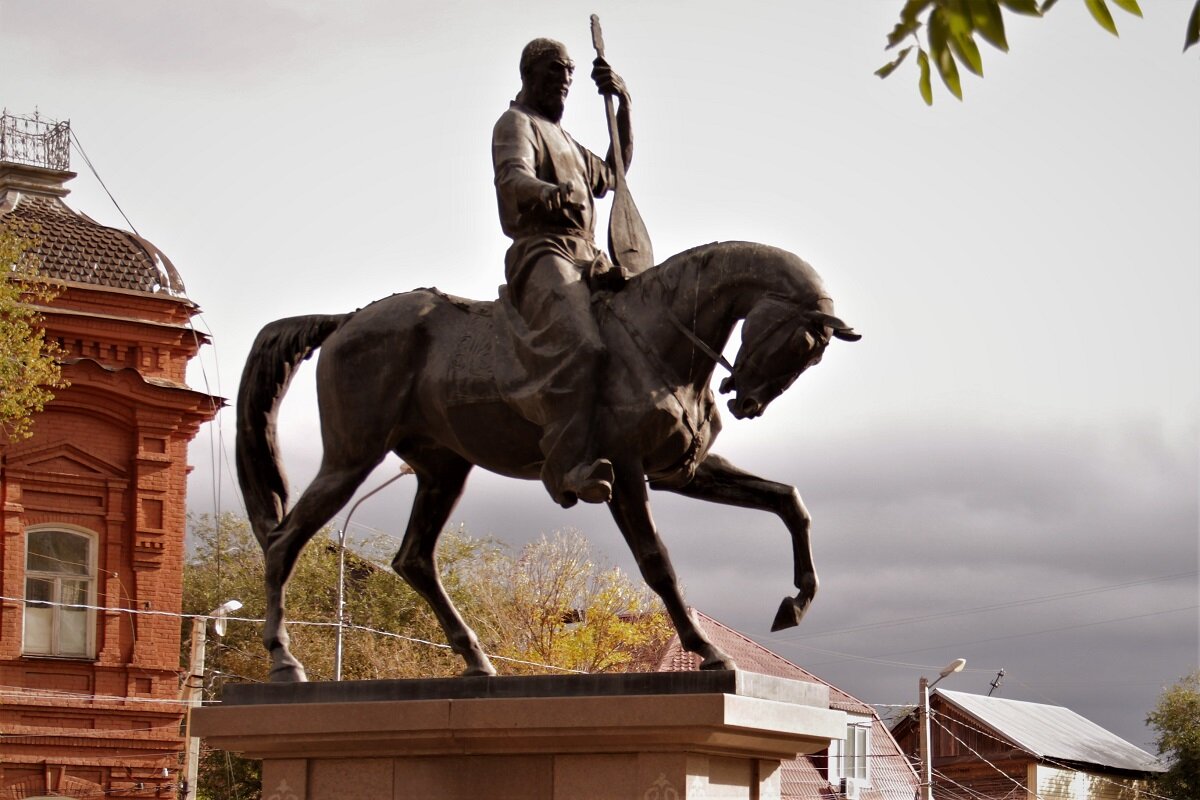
point(851, 788)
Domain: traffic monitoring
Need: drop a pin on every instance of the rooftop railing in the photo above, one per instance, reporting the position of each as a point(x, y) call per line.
point(35, 141)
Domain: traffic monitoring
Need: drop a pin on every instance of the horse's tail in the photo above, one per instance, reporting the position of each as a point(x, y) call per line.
point(277, 351)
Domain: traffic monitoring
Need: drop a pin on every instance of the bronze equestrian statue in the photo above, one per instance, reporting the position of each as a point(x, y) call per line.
point(447, 384)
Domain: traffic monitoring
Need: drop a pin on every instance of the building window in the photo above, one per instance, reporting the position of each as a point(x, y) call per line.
point(848, 758)
point(60, 590)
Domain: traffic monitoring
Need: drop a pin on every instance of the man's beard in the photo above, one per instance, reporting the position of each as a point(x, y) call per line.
point(553, 104)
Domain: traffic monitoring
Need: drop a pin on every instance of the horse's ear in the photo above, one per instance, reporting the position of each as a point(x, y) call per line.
point(840, 329)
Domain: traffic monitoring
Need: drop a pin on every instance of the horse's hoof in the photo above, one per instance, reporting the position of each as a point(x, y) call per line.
point(288, 673)
point(718, 661)
point(479, 672)
point(790, 612)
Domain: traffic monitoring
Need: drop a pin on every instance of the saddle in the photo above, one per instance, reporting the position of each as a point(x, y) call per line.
point(484, 368)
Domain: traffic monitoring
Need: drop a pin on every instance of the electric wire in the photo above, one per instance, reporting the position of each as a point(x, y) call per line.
point(1031, 790)
point(254, 620)
point(1041, 757)
point(978, 795)
point(88, 161)
point(951, 645)
point(790, 637)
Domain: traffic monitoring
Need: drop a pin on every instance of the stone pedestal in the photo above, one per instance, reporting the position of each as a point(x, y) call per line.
point(653, 736)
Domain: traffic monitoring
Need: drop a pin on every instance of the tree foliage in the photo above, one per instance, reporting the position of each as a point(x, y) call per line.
point(1177, 719)
point(29, 368)
point(556, 603)
point(950, 28)
point(552, 605)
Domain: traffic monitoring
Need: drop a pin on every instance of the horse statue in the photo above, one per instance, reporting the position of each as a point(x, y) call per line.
point(414, 374)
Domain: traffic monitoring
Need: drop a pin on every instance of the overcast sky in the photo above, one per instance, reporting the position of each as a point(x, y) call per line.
point(1004, 469)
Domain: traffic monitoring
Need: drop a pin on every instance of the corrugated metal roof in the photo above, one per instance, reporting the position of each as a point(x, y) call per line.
point(1053, 732)
point(892, 778)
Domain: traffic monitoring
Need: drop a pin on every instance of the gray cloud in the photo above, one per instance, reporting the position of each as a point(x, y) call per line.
point(910, 525)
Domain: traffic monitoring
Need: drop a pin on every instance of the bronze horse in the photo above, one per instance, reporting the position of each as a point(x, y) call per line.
point(410, 375)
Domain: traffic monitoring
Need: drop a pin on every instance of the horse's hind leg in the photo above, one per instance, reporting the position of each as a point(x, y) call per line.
point(329, 491)
point(718, 481)
point(440, 479)
point(631, 511)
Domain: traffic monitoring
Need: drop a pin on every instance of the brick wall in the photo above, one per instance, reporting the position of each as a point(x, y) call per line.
point(107, 459)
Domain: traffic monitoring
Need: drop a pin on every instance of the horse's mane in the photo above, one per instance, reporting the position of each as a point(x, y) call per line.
point(680, 273)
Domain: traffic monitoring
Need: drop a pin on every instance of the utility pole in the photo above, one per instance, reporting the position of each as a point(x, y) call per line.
point(924, 741)
point(194, 690)
point(996, 684)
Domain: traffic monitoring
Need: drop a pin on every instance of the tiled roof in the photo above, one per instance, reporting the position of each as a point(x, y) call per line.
point(892, 778)
point(70, 246)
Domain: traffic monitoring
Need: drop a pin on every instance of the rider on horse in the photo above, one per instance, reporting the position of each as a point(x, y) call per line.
point(545, 185)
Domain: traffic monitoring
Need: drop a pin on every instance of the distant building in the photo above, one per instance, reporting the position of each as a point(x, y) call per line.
point(92, 508)
point(991, 747)
point(867, 764)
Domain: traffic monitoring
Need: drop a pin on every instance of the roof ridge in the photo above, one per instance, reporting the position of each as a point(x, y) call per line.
point(778, 657)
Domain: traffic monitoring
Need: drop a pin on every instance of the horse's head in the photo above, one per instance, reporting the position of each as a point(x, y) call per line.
point(780, 339)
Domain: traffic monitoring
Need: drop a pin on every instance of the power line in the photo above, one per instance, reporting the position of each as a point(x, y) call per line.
point(786, 637)
point(1039, 756)
point(1032, 789)
point(880, 659)
point(88, 161)
point(319, 624)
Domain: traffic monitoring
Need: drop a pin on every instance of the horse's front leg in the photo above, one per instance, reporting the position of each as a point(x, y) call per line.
point(630, 508)
point(718, 481)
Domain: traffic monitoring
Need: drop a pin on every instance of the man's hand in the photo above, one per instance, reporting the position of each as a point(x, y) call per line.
point(607, 81)
point(557, 197)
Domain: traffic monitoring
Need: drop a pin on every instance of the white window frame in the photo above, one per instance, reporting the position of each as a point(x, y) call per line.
point(850, 757)
point(55, 604)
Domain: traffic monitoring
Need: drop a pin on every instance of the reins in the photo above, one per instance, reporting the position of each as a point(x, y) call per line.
point(635, 334)
point(696, 340)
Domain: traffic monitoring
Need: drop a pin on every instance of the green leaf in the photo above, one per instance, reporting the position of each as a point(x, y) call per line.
point(949, 71)
point(1046, 6)
point(925, 84)
point(987, 20)
point(957, 16)
point(1129, 5)
point(964, 47)
point(942, 57)
point(901, 32)
point(913, 8)
point(1027, 7)
point(890, 67)
point(1193, 28)
point(1099, 10)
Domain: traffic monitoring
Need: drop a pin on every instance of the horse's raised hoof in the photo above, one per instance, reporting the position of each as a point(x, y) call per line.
point(790, 612)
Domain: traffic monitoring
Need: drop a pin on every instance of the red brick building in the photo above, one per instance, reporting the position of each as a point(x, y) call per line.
point(92, 507)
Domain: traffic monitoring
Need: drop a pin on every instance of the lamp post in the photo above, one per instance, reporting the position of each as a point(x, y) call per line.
point(924, 750)
point(338, 646)
point(195, 688)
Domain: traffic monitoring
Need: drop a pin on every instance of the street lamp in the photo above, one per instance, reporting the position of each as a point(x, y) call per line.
point(924, 750)
point(338, 646)
point(195, 687)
